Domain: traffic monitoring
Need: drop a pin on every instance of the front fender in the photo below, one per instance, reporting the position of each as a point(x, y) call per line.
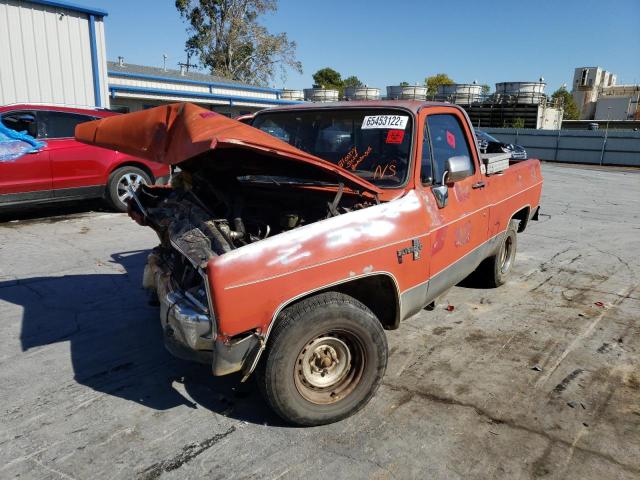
point(250, 284)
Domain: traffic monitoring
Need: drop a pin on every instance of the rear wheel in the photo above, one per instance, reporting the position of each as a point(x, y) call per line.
point(324, 361)
point(495, 270)
point(119, 183)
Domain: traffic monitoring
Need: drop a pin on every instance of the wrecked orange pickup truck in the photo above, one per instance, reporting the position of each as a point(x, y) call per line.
point(288, 245)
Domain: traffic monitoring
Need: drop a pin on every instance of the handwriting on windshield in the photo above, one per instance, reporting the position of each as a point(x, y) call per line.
point(352, 159)
point(385, 170)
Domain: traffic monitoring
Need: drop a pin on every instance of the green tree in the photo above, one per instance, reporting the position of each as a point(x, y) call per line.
point(485, 89)
point(404, 84)
point(327, 78)
point(571, 111)
point(352, 81)
point(518, 122)
point(433, 81)
point(229, 41)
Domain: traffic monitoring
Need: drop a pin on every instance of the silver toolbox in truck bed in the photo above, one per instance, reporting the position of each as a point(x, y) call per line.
point(495, 162)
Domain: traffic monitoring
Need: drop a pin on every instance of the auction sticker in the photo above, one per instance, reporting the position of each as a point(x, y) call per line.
point(397, 122)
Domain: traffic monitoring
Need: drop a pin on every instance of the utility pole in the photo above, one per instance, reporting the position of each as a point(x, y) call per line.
point(185, 66)
point(606, 135)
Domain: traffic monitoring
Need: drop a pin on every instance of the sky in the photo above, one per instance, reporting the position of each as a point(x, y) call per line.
point(387, 42)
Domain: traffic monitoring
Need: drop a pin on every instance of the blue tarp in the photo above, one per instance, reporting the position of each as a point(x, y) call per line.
point(15, 144)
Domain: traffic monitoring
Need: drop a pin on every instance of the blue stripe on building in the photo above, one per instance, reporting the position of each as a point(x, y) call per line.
point(114, 89)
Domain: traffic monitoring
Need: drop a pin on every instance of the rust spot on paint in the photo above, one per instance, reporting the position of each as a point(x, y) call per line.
point(463, 234)
point(461, 192)
point(438, 241)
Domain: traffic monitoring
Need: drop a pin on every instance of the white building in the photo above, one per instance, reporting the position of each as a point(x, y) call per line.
point(52, 52)
point(618, 102)
point(598, 97)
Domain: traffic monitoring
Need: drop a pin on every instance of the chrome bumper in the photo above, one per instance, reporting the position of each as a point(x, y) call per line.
point(189, 332)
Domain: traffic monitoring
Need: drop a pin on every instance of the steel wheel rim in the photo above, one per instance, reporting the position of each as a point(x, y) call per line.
point(329, 367)
point(127, 180)
point(506, 255)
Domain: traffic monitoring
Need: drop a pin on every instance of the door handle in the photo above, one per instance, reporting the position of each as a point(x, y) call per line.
point(478, 185)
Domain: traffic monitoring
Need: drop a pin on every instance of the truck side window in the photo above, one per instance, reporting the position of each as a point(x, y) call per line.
point(447, 140)
point(426, 171)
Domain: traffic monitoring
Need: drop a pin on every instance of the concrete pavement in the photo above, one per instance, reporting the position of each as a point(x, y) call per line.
point(537, 379)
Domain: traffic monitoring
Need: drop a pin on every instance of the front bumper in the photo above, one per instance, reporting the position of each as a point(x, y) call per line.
point(189, 331)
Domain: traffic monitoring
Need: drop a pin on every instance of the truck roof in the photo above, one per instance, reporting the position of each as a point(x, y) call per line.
point(412, 105)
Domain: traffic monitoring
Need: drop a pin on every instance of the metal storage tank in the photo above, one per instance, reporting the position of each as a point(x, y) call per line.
point(520, 92)
point(362, 93)
point(462, 93)
point(408, 92)
point(52, 52)
point(288, 94)
point(321, 95)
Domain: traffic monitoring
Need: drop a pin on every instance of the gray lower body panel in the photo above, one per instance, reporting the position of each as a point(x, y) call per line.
point(416, 298)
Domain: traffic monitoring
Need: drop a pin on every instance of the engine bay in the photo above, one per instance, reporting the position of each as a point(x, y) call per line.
point(205, 214)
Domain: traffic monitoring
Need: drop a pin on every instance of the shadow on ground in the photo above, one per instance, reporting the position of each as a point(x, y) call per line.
point(116, 342)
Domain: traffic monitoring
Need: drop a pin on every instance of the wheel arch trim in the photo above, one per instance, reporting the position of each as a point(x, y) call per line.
point(264, 338)
point(524, 221)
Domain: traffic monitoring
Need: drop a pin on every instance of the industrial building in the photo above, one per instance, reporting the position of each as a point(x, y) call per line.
point(598, 97)
point(136, 87)
point(52, 52)
point(512, 102)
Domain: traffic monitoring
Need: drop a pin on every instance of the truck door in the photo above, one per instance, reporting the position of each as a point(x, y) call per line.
point(460, 227)
point(28, 177)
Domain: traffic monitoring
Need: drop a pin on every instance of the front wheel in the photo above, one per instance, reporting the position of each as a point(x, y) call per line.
point(120, 182)
point(324, 361)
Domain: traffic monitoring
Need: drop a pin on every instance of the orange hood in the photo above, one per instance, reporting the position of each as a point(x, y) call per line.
point(174, 133)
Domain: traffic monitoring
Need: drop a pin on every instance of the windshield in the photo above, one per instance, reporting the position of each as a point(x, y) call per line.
point(372, 143)
point(485, 136)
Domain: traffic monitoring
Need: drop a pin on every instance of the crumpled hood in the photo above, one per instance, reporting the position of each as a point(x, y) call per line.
point(174, 133)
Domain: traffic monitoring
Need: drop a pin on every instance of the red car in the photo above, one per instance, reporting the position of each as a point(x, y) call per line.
point(66, 169)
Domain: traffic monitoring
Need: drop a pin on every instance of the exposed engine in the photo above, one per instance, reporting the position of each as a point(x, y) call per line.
point(198, 218)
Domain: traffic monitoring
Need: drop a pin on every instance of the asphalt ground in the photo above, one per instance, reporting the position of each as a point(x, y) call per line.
point(537, 379)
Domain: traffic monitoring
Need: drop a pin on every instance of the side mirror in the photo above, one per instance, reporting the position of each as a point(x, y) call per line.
point(456, 169)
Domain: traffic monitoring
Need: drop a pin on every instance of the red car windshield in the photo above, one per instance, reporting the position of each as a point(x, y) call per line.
point(374, 144)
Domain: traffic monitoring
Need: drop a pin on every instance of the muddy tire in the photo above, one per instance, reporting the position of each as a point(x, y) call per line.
point(495, 270)
point(324, 361)
point(122, 177)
